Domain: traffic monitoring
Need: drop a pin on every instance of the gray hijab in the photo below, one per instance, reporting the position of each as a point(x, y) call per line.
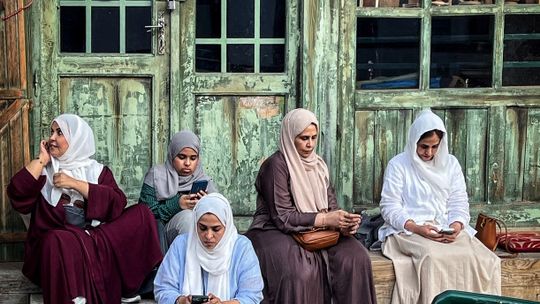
point(164, 178)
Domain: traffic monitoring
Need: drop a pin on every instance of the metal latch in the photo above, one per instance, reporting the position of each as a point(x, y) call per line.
point(160, 26)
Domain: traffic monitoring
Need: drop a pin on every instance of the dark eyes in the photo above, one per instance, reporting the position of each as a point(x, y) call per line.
point(307, 137)
point(192, 158)
point(204, 228)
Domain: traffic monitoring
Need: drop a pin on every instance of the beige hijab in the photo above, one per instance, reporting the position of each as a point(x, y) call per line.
point(309, 176)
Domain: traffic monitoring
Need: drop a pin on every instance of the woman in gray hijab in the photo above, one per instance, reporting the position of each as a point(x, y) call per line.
point(166, 188)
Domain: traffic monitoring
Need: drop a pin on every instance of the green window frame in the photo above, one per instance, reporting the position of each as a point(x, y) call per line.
point(257, 41)
point(427, 10)
point(120, 4)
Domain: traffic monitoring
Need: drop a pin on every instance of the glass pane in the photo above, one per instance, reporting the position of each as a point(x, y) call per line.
point(273, 19)
point(72, 29)
point(208, 19)
point(138, 39)
point(387, 53)
point(393, 3)
point(272, 58)
point(521, 50)
point(462, 50)
point(240, 18)
point(208, 58)
point(240, 58)
point(105, 30)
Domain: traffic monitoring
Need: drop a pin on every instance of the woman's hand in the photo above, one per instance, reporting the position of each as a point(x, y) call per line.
point(428, 231)
point(188, 201)
point(342, 220)
point(62, 180)
point(458, 226)
point(183, 300)
point(213, 299)
point(44, 156)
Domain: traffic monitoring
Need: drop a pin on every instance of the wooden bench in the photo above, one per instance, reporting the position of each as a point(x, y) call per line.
point(520, 279)
point(520, 276)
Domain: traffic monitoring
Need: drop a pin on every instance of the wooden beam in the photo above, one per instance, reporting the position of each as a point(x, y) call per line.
point(12, 237)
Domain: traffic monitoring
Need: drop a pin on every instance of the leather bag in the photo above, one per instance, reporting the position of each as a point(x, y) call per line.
point(486, 227)
point(317, 238)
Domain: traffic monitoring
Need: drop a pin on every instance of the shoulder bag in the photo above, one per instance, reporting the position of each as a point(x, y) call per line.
point(317, 238)
point(486, 227)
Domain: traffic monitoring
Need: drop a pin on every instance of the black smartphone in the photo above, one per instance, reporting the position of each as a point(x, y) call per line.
point(198, 186)
point(196, 299)
point(446, 231)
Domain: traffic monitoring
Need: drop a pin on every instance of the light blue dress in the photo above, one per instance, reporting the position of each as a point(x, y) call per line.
point(246, 283)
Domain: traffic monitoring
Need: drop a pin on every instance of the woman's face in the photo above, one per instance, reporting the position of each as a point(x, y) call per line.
point(210, 230)
point(427, 147)
point(306, 141)
point(186, 162)
point(58, 144)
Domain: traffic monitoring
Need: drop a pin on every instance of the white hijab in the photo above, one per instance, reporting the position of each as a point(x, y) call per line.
point(75, 162)
point(436, 172)
point(309, 176)
point(215, 261)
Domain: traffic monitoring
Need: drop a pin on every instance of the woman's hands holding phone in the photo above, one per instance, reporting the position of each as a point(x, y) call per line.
point(346, 222)
point(434, 233)
point(188, 201)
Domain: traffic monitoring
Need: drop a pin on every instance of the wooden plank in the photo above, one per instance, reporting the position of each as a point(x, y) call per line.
point(496, 157)
point(516, 122)
point(12, 51)
point(5, 116)
point(531, 183)
point(12, 237)
point(474, 168)
point(457, 133)
point(363, 166)
point(3, 56)
point(22, 47)
point(14, 298)
point(10, 93)
point(385, 147)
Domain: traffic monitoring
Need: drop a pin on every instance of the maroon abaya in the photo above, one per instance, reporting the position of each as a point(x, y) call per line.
point(100, 264)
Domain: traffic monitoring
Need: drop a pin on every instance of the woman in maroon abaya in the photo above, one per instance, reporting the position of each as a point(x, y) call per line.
point(83, 246)
point(294, 193)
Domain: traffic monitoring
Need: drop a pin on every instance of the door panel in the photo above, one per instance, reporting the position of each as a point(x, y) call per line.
point(237, 134)
point(119, 111)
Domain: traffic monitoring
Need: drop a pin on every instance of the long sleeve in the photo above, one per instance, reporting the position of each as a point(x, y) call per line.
point(164, 209)
point(248, 273)
point(24, 191)
point(273, 186)
point(391, 206)
point(458, 200)
point(170, 276)
point(106, 201)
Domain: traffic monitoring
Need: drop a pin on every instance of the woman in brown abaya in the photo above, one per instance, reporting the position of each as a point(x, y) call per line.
point(294, 194)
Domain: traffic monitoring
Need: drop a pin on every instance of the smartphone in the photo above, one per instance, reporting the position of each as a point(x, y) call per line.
point(446, 231)
point(198, 186)
point(198, 299)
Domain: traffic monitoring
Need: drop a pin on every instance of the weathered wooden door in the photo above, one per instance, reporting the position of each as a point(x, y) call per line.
point(99, 59)
point(236, 79)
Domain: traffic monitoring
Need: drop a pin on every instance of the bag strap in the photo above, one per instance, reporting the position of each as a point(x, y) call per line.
point(506, 240)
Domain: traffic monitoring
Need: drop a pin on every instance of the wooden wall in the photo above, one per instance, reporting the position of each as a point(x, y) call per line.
point(14, 121)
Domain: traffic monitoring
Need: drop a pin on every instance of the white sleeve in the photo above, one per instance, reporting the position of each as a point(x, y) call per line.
point(458, 200)
point(391, 197)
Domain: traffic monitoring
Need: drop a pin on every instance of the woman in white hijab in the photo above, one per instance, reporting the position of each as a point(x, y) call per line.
point(211, 260)
point(69, 253)
point(425, 206)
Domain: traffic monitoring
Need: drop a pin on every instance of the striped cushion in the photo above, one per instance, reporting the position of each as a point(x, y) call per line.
point(521, 241)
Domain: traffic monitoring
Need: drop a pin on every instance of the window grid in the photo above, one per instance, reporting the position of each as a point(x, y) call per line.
point(498, 9)
point(256, 41)
point(121, 4)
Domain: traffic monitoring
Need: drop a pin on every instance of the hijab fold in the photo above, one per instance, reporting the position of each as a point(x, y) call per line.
point(164, 178)
point(435, 172)
point(75, 162)
point(216, 262)
point(309, 176)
